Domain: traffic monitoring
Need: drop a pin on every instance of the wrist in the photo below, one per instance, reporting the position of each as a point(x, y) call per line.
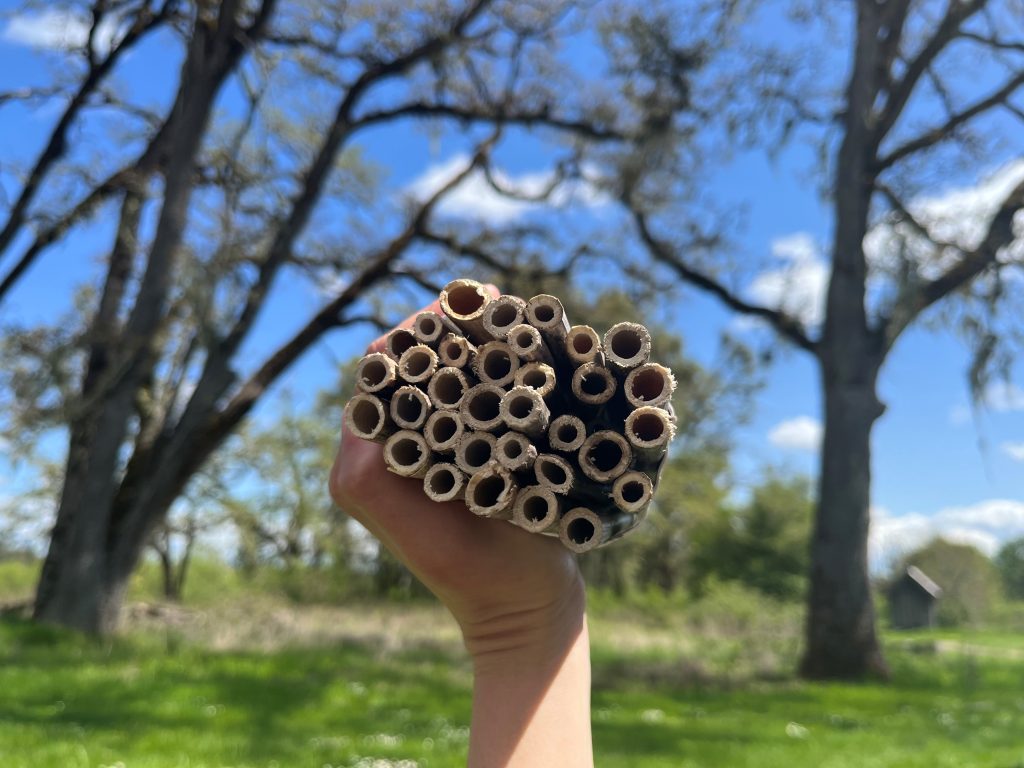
point(528, 636)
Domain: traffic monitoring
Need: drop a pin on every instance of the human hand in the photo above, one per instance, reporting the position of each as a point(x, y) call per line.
point(504, 586)
point(517, 596)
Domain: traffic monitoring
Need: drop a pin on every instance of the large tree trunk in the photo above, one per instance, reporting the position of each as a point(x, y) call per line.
point(840, 633)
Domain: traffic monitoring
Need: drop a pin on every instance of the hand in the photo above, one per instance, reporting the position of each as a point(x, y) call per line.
point(497, 580)
point(517, 596)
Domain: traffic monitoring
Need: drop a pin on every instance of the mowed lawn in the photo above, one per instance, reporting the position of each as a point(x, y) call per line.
point(147, 702)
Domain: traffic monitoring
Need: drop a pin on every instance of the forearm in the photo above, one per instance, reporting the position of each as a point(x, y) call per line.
point(531, 692)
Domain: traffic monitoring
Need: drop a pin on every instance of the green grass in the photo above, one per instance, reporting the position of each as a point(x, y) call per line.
point(154, 701)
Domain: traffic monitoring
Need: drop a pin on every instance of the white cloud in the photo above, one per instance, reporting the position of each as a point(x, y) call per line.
point(985, 525)
point(475, 198)
point(1002, 396)
point(59, 30)
point(960, 215)
point(800, 434)
point(1014, 450)
point(799, 284)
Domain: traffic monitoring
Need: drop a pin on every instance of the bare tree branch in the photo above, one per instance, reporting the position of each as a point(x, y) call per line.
point(957, 12)
point(56, 145)
point(1000, 234)
point(538, 116)
point(940, 133)
point(787, 326)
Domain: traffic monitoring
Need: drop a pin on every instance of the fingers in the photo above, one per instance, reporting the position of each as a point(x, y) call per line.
point(435, 306)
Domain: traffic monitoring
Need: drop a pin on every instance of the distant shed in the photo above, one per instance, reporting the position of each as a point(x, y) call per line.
point(913, 600)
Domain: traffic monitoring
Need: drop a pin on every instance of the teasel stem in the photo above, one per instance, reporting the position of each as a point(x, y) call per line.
point(417, 364)
point(447, 388)
point(566, 434)
point(443, 431)
point(463, 302)
point(397, 341)
point(367, 417)
point(649, 384)
point(538, 376)
point(430, 327)
point(502, 314)
point(454, 350)
point(376, 374)
point(604, 456)
point(444, 482)
point(406, 454)
point(583, 345)
point(523, 410)
point(410, 407)
point(481, 408)
point(496, 363)
point(594, 385)
point(555, 472)
point(475, 451)
point(649, 431)
point(528, 345)
point(626, 345)
point(515, 452)
point(583, 529)
point(537, 509)
point(491, 492)
point(632, 492)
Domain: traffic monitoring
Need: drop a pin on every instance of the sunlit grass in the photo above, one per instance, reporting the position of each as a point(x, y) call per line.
point(154, 701)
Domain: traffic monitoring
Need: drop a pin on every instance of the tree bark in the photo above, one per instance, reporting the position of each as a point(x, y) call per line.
point(841, 642)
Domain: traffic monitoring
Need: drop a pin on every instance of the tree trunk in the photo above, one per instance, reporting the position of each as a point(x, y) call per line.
point(840, 633)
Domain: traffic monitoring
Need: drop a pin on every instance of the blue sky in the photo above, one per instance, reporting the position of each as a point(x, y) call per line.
point(937, 468)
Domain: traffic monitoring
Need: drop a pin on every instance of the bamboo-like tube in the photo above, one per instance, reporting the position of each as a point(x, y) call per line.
point(536, 509)
point(406, 454)
point(417, 364)
point(502, 314)
point(593, 384)
point(464, 302)
point(632, 491)
point(583, 529)
point(523, 410)
point(397, 341)
point(649, 430)
point(496, 363)
point(447, 387)
point(376, 372)
point(429, 327)
point(650, 384)
point(583, 345)
point(444, 482)
point(367, 417)
point(547, 315)
point(515, 452)
point(554, 472)
point(604, 456)
point(491, 492)
point(538, 376)
point(474, 451)
point(627, 345)
point(455, 350)
point(527, 343)
point(443, 431)
point(410, 407)
point(567, 433)
point(481, 407)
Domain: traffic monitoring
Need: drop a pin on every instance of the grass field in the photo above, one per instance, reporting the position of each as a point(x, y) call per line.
point(181, 691)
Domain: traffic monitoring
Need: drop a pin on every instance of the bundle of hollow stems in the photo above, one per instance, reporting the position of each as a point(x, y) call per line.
point(502, 403)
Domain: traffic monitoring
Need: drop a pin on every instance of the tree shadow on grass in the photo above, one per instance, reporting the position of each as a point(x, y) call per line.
point(233, 706)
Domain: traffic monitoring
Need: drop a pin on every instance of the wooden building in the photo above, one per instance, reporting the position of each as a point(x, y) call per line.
point(913, 600)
